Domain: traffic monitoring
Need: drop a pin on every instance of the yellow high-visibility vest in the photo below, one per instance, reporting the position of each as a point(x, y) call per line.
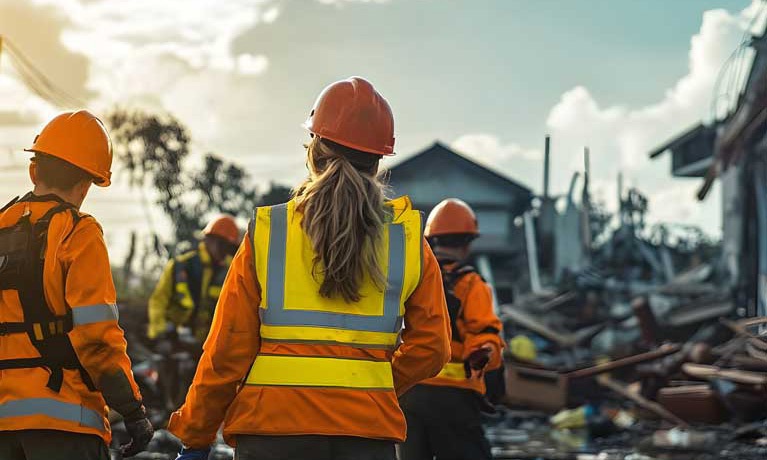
point(292, 309)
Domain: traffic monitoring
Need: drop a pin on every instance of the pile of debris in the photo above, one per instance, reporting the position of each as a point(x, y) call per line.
point(633, 372)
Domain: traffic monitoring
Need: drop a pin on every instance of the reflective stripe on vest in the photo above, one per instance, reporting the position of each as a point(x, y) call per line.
point(304, 371)
point(55, 409)
point(277, 315)
point(302, 323)
point(454, 371)
point(293, 311)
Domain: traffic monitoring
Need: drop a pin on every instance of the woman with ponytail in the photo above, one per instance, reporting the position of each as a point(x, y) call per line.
point(333, 307)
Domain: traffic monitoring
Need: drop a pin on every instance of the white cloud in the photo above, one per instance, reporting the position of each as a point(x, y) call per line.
point(340, 2)
point(270, 15)
point(621, 136)
point(248, 64)
point(524, 165)
point(488, 148)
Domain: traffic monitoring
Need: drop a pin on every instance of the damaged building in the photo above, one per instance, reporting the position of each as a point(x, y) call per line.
point(734, 150)
point(437, 173)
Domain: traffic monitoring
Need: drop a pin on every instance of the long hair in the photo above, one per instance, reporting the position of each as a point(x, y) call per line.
point(343, 209)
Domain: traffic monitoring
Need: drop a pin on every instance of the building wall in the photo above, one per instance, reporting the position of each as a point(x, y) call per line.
point(494, 222)
point(437, 181)
point(492, 203)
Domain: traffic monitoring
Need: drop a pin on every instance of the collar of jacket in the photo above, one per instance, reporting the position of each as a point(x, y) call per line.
point(32, 198)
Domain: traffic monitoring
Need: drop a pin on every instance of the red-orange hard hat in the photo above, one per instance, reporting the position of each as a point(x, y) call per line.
point(352, 113)
point(451, 217)
point(81, 139)
point(225, 227)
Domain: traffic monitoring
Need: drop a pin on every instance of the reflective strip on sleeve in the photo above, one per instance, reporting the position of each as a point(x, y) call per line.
point(276, 315)
point(55, 409)
point(302, 371)
point(214, 292)
point(94, 314)
point(184, 295)
point(453, 371)
point(252, 235)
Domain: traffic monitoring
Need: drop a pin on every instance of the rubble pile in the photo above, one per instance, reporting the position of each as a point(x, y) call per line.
point(628, 371)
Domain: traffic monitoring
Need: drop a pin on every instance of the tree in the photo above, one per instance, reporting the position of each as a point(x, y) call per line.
point(275, 195)
point(153, 150)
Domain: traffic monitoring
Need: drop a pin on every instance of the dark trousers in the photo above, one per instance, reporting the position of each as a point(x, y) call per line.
point(306, 447)
point(443, 422)
point(51, 445)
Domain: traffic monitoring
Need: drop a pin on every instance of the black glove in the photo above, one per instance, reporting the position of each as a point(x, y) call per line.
point(140, 431)
point(477, 361)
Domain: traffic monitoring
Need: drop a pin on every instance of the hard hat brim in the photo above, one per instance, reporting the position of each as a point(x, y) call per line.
point(98, 179)
point(307, 126)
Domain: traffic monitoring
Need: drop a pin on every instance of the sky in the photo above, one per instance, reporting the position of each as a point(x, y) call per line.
point(490, 78)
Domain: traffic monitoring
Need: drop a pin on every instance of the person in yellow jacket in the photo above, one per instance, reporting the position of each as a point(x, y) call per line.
point(443, 412)
point(62, 354)
point(308, 352)
point(186, 295)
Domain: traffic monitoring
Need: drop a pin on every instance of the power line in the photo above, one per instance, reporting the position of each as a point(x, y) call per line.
point(35, 80)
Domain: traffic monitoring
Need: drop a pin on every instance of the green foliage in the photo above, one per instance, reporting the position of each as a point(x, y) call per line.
point(275, 195)
point(153, 149)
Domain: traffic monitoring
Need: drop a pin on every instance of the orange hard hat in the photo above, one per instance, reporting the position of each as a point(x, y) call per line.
point(451, 217)
point(225, 227)
point(352, 113)
point(81, 139)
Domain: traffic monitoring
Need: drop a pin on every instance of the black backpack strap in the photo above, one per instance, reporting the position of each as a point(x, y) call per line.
point(9, 204)
point(194, 273)
point(451, 274)
point(46, 331)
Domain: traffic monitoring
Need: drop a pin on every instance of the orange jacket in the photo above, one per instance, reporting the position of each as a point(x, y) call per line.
point(477, 324)
point(77, 277)
point(217, 395)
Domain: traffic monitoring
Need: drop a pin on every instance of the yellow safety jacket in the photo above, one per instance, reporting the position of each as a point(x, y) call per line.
point(187, 293)
point(293, 312)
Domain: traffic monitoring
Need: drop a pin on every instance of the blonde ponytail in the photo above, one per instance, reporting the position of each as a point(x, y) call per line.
point(343, 209)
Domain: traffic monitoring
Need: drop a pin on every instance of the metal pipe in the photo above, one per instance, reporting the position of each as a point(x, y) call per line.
point(761, 216)
point(546, 160)
point(486, 270)
point(532, 253)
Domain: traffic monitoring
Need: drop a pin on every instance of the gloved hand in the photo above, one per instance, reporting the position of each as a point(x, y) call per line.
point(140, 431)
point(193, 454)
point(475, 363)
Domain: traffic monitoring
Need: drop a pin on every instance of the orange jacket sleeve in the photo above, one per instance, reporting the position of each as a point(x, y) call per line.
point(425, 344)
point(96, 337)
point(480, 324)
point(228, 353)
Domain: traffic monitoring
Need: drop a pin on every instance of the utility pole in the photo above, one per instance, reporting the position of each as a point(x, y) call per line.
point(586, 203)
point(620, 199)
point(546, 160)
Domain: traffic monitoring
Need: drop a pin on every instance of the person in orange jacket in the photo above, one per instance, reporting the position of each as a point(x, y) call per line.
point(443, 413)
point(307, 353)
point(62, 354)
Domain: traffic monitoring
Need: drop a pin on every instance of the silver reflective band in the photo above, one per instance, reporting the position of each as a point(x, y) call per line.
point(276, 314)
point(94, 314)
point(252, 236)
point(275, 271)
point(54, 409)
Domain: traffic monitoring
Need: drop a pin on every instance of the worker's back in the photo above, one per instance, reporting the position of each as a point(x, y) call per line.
point(307, 351)
point(327, 356)
point(70, 236)
point(63, 356)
